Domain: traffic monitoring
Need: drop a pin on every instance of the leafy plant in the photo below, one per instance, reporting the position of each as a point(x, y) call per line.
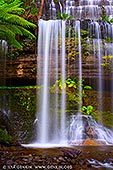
point(64, 16)
point(88, 110)
point(104, 17)
point(69, 83)
point(12, 24)
point(72, 42)
point(107, 62)
point(72, 90)
point(5, 138)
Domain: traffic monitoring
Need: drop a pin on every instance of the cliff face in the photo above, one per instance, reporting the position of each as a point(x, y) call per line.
point(22, 70)
point(18, 71)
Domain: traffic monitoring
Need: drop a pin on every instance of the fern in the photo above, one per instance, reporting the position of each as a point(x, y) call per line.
point(11, 24)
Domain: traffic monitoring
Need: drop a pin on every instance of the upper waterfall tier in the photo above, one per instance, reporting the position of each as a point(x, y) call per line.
point(80, 9)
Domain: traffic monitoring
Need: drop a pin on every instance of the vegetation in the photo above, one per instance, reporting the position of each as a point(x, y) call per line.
point(72, 91)
point(5, 138)
point(64, 16)
point(21, 102)
point(107, 62)
point(72, 41)
point(12, 24)
point(25, 99)
point(88, 110)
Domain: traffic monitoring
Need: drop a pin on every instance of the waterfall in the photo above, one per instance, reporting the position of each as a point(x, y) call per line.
point(63, 96)
point(54, 127)
point(52, 10)
point(97, 45)
point(77, 29)
point(3, 52)
point(51, 128)
point(70, 7)
point(78, 130)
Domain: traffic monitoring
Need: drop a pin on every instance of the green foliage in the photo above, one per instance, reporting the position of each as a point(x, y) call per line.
point(88, 110)
point(87, 87)
point(56, 1)
point(5, 138)
point(104, 17)
point(25, 99)
point(11, 24)
point(64, 16)
point(108, 39)
point(71, 83)
point(72, 90)
point(33, 8)
point(72, 42)
point(107, 62)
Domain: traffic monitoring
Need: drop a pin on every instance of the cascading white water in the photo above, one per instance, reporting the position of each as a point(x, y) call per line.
point(77, 30)
point(51, 109)
point(70, 7)
point(63, 72)
point(98, 47)
point(3, 47)
point(3, 52)
point(90, 9)
point(51, 129)
point(78, 131)
point(52, 10)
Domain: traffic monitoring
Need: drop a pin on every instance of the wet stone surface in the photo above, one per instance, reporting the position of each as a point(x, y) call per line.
point(75, 158)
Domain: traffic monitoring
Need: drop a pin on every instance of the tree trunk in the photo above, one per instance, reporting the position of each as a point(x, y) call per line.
point(40, 9)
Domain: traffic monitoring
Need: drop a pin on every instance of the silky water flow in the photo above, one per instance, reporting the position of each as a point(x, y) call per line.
point(54, 127)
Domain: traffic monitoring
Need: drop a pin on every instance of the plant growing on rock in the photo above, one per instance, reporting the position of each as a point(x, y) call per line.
point(64, 16)
point(71, 86)
point(72, 42)
point(107, 62)
point(5, 138)
point(88, 110)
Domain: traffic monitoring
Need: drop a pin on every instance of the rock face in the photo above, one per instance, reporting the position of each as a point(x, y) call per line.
point(23, 71)
point(5, 123)
point(18, 71)
point(92, 142)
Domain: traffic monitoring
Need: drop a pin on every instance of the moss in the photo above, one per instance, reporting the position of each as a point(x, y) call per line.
point(5, 138)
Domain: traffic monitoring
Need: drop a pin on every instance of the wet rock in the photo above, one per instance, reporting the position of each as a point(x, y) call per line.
point(25, 159)
point(71, 153)
point(92, 142)
point(91, 132)
point(5, 122)
point(9, 162)
point(61, 159)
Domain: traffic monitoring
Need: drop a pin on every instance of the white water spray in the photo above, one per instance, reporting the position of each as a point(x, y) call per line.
point(51, 128)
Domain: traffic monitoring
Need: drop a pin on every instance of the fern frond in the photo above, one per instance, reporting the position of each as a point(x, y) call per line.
point(10, 38)
point(26, 32)
point(12, 4)
point(15, 19)
point(16, 10)
point(11, 24)
point(1, 2)
point(14, 28)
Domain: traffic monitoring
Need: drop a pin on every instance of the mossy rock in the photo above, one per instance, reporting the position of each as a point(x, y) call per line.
point(5, 138)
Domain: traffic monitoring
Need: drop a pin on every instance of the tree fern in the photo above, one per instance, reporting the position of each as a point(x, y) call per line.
point(11, 24)
point(9, 37)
